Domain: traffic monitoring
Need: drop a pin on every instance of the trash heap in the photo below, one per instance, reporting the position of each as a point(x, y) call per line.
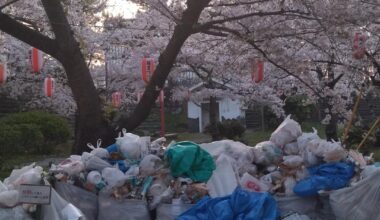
point(293, 175)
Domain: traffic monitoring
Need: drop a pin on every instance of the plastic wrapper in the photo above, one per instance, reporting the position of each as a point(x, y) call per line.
point(252, 184)
point(267, 153)
point(165, 195)
point(292, 161)
point(361, 201)
point(288, 131)
point(223, 180)
point(16, 213)
point(110, 208)
point(301, 205)
point(291, 149)
point(9, 198)
point(92, 162)
point(150, 164)
point(134, 170)
point(98, 151)
point(129, 145)
point(86, 201)
point(69, 166)
point(171, 211)
point(113, 177)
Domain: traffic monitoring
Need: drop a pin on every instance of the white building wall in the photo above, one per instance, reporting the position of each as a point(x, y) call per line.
point(194, 111)
point(230, 109)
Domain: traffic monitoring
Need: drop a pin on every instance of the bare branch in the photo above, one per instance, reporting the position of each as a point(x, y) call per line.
point(237, 3)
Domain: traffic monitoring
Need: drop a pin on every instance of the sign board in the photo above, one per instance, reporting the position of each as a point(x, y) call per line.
point(35, 194)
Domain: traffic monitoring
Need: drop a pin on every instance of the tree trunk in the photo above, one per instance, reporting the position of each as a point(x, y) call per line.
point(331, 129)
point(213, 119)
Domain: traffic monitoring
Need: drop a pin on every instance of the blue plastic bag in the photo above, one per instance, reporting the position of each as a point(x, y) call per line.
point(240, 205)
point(329, 176)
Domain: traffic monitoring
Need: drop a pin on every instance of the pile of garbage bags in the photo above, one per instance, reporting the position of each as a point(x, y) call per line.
point(293, 175)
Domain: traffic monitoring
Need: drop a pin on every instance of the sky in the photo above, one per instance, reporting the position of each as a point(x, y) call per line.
point(122, 7)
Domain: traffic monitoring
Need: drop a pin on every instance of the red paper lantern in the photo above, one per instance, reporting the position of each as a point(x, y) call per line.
point(116, 99)
point(257, 69)
point(49, 86)
point(358, 47)
point(147, 69)
point(37, 60)
point(3, 73)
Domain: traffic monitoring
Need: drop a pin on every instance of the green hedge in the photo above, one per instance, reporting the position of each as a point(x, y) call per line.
point(32, 132)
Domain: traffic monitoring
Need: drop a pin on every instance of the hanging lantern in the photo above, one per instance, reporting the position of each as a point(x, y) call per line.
point(258, 69)
point(358, 47)
point(49, 86)
point(3, 73)
point(37, 60)
point(147, 69)
point(116, 99)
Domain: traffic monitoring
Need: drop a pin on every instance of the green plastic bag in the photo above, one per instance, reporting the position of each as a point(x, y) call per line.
point(189, 160)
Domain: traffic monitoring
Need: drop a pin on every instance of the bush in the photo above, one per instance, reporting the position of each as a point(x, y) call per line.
point(231, 129)
point(35, 132)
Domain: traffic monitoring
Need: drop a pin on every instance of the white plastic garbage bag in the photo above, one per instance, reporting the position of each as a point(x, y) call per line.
point(98, 151)
point(361, 201)
point(223, 180)
point(150, 164)
point(241, 156)
point(26, 175)
point(134, 170)
point(329, 151)
point(288, 131)
point(171, 211)
point(267, 153)
point(289, 184)
point(291, 149)
point(129, 145)
point(9, 198)
point(251, 183)
point(292, 161)
point(113, 177)
point(305, 138)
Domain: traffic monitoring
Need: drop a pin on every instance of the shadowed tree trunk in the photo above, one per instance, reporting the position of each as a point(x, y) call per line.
point(213, 119)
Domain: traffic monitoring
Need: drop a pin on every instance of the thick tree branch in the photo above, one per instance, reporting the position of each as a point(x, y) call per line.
point(8, 4)
point(27, 35)
point(237, 3)
point(181, 32)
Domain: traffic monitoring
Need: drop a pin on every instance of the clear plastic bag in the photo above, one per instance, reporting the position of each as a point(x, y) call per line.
point(92, 162)
point(301, 205)
point(171, 211)
point(361, 201)
point(150, 164)
point(98, 151)
point(26, 175)
point(86, 201)
point(289, 184)
point(291, 149)
point(16, 213)
point(292, 161)
point(110, 208)
point(129, 145)
point(113, 177)
point(288, 131)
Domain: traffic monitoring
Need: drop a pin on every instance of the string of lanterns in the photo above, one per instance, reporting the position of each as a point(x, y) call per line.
point(358, 47)
point(257, 69)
